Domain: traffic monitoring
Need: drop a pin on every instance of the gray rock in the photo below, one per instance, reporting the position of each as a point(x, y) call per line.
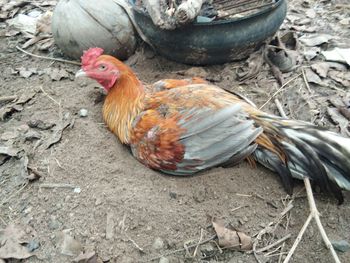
point(83, 113)
point(158, 244)
point(341, 245)
point(33, 245)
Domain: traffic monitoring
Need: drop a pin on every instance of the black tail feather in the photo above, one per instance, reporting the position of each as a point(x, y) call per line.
point(310, 151)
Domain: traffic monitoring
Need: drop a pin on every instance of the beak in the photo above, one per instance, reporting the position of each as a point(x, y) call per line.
point(80, 73)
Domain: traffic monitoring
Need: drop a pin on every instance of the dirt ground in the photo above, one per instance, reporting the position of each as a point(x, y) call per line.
point(92, 189)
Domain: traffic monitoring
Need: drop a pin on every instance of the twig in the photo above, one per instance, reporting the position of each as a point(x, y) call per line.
point(272, 252)
point(8, 98)
point(316, 215)
point(279, 90)
point(200, 240)
point(182, 249)
point(134, 243)
point(55, 101)
point(305, 80)
point(274, 244)
point(238, 207)
point(280, 108)
point(244, 195)
point(297, 240)
point(54, 185)
point(48, 58)
point(3, 221)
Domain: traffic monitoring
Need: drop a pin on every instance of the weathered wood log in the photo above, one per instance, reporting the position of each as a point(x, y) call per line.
point(166, 17)
point(157, 9)
point(188, 11)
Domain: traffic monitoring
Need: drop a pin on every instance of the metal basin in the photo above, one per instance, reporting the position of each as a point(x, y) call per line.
point(214, 42)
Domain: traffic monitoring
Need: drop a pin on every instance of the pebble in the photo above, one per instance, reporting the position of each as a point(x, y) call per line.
point(83, 113)
point(172, 195)
point(158, 244)
point(163, 260)
point(33, 245)
point(341, 245)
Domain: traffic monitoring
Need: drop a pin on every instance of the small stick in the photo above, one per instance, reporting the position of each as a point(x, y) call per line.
point(316, 215)
point(53, 185)
point(279, 90)
point(244, 195)
point(274, 244)
point(200, 240)
point(280, 108)
point(238, 207)
point(305, 80)
point(134, 243)
point(8, 98)
point(272, 252)
point(55, 101)
point(3, 220)
point(48, 58)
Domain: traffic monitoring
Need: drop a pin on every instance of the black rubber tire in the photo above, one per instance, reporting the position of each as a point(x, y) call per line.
point(215, 42)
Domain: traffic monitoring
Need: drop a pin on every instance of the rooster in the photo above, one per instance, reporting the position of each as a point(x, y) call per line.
point(181, 127)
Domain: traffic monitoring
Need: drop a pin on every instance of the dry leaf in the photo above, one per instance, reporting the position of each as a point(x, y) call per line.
point(311, 53)
point(312, 77)
point(321, 68)
point(340, 120)
point(26, 73)
point(12, 239)
point(87, 257)
point(305, 28)
point(338, 54)
point(340, 77)
point(231, 238)
point(43, 24)
point(315, 40)
point(56, 136)
point(69, 245)
point(23, 23)
point(57, 74)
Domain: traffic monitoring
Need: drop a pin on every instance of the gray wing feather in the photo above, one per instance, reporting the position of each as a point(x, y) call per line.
point(216, 137)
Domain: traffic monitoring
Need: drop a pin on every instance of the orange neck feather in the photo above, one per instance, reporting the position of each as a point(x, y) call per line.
point(123, 103)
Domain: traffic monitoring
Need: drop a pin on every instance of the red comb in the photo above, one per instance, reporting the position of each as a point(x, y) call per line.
point(90, 55)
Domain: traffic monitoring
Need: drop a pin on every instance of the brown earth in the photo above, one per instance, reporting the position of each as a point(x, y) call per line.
point(119, 206)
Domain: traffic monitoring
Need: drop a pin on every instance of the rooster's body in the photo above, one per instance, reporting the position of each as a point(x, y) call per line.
point(181, 127)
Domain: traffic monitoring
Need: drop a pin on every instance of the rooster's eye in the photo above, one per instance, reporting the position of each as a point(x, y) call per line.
point(102, 67)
